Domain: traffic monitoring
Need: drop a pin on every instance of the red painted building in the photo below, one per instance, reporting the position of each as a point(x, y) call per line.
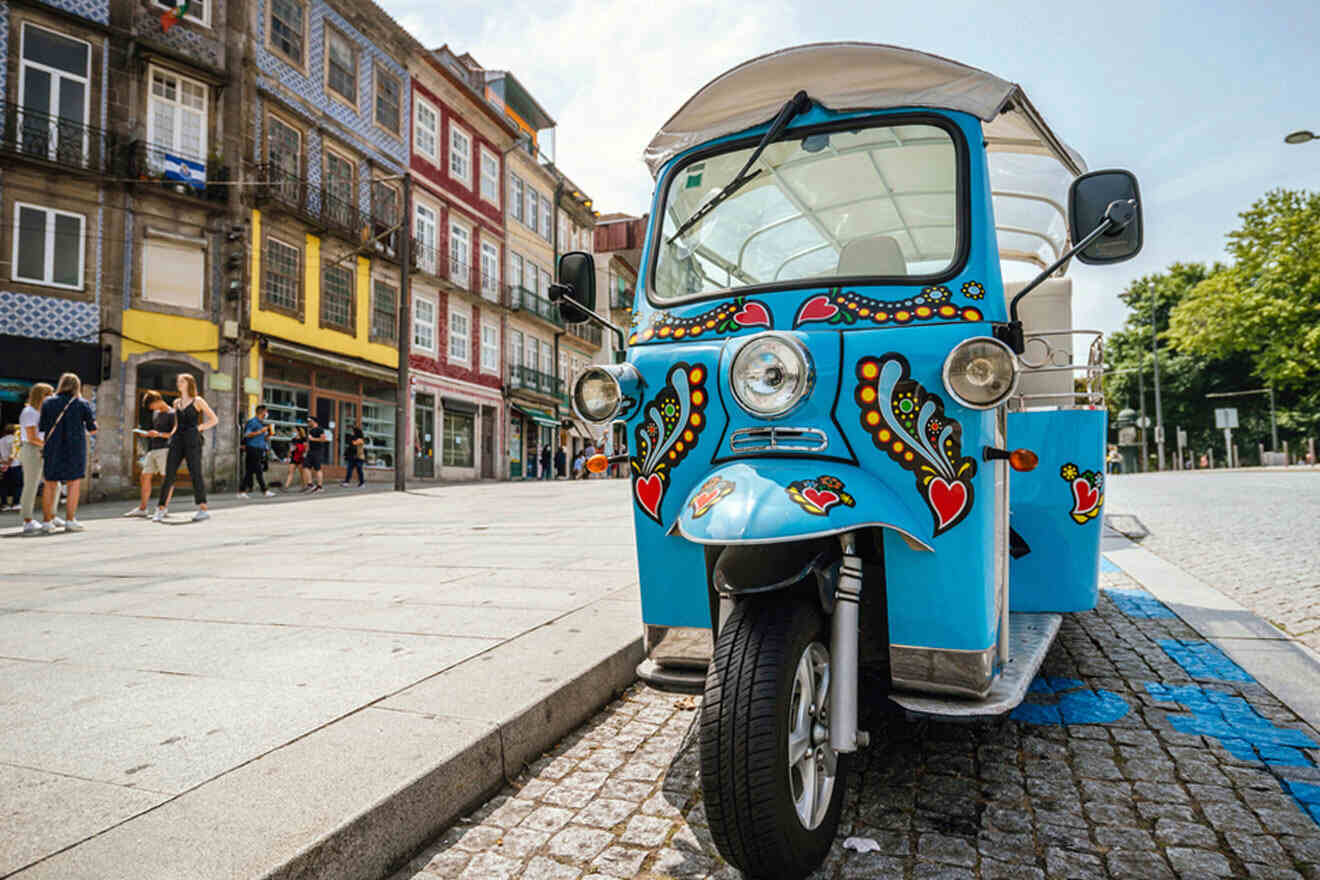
point(458, 319)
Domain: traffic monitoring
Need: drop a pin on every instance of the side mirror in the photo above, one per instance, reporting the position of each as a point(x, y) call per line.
point(1095, 196)
point(576, 289)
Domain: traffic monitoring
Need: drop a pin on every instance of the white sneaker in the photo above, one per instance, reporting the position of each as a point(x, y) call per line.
point(242, 494)
point(73, 526)
point(31, 527)
point(159, 515)
point(201, 515)
point(48, 528)
point(137, 511)
point(59, 523)
point(270, 494)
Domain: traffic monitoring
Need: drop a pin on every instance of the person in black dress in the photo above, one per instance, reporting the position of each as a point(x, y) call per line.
point(192, 416)
point(318, 450)
point(66, 420)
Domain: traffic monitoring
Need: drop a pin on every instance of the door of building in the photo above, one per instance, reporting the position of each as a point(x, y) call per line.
point(348, 420)
point(424, 435)
point(331, 412)
point(487, 443)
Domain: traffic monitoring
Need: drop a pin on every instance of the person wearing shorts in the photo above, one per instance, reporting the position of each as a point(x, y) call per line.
point(160, 427)
point(318, 447)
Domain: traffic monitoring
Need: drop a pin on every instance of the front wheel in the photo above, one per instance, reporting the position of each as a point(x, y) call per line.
point(772, 786)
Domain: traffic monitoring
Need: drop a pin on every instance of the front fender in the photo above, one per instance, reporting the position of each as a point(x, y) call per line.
point(768, 501)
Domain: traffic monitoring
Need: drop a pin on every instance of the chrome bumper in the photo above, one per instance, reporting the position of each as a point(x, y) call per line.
point(939, 671)
point(683, 647)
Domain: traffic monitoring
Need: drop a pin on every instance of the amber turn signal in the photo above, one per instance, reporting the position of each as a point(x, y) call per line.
point(598, 463)
point(1022, 460)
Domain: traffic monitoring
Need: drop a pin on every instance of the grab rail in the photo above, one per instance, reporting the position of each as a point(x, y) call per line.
point(1040, 356)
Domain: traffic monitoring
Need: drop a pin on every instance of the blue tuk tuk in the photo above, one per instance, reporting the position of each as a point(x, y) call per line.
point(867, 458)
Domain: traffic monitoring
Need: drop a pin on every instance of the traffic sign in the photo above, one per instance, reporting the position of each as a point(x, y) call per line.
point(1226, 417)
point(1143, 421)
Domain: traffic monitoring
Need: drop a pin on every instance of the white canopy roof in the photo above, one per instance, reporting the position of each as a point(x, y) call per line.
point(1030, 167)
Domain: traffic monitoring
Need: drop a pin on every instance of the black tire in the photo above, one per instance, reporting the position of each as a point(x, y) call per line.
point(744, 741)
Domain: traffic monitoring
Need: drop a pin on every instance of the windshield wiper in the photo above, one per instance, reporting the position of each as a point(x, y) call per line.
point(796, 105)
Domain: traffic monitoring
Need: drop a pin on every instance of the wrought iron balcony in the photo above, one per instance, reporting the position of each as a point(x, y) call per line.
point(57, 140)
point(528, 379)
point(152, 164)
point(321, 206)
point(587, 332)
point(521, 299)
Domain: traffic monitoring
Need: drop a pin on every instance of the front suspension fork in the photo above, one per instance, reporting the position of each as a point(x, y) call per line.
point(844, 625)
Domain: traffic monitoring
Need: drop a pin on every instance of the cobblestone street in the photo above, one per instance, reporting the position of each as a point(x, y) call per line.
point(1142, 752)
point(1251, 534)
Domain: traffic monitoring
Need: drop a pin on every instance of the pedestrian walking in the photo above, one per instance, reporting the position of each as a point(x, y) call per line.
point(318, 450)
point(192, 416)
point(579, 463)
point(11, 469)
point(357, 455)
point(561, 462)
point(256, 446)
point(29, 454)
point(1114, 460)
point(546, 473)
point(297, 452)
point(66, 420)
point(159, 427)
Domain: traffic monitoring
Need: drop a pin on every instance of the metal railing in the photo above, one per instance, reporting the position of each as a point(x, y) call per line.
point(438, 262)
point(587, 332)
point(65, 142)
point(167, 167)
point(530, 379)
point(321, 206)
point(1050, 379)
point(519, 298)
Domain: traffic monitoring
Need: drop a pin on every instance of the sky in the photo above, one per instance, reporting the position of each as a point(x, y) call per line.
point(1193, 97)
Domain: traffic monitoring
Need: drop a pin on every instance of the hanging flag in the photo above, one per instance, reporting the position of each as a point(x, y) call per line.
point(171, 18)
point(185, 171)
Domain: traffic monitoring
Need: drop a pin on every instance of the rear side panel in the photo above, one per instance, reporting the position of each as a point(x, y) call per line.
point(1056, 509)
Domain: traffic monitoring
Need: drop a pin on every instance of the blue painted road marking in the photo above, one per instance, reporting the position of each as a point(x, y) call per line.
point(1138, 603)
point(1107, 566)
point(1241, 730)
point(1202, 660)
point(1076, 704)
point(1307, 794)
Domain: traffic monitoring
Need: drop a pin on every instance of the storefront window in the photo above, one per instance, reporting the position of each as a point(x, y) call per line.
point(378, 427)
point(287, 409)
point(458, 436)
point(380, 390)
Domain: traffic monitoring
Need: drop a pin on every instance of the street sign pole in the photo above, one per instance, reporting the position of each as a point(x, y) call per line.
point(1228, 446)
point(1159, 410)
point(1142, 421)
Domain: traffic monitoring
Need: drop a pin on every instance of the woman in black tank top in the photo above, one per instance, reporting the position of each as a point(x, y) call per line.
point(193, 415)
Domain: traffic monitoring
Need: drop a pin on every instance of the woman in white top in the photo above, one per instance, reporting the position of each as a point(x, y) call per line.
point(29, 453)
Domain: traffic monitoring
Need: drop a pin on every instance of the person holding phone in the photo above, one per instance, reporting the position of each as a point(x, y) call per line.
point(256, 444)
point(318, 450)
point(161, 425)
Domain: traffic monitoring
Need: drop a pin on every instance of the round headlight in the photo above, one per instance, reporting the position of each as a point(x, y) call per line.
point(596, 395)
point(770, 375)
point(980, 372)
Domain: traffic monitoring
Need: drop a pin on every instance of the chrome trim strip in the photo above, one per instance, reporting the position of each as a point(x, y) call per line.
point(680, 646)
point(943, 671)
point(677, 528)
point(773, 438)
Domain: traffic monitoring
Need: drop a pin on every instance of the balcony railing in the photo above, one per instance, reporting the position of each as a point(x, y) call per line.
point(322, 206)
point(587, 332)
point(521, 299)
point(152, 164)
point(437, 261)
point(54, 139)
point(529, 379)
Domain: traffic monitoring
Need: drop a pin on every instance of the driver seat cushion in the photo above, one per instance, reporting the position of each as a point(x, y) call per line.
point(873, 255)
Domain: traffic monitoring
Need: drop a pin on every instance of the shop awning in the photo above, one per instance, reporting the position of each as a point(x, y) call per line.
point(540, 416)
point(331, 361)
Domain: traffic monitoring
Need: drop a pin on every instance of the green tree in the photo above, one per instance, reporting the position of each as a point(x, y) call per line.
point(1265, 306)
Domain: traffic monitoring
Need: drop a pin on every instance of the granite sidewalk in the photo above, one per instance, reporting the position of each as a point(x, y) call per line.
point(300, 691)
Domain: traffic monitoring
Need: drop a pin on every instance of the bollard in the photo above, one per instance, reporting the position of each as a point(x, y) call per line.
point(1287, 459)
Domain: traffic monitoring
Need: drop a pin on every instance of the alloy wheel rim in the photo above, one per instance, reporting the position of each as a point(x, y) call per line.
point(811, 763)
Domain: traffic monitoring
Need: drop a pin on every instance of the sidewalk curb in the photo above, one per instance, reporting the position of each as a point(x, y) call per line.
point(1286, 667)
point(383, 838)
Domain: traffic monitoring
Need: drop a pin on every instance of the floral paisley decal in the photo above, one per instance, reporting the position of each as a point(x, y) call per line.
point(1087, 492)
point(846, 307)
point(819, 496)
point(670, 425)
point(973, 289)
point(710, 494)
point(727, 317)
point(908, 422)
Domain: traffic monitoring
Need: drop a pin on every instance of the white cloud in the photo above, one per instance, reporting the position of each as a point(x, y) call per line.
point(608, 73)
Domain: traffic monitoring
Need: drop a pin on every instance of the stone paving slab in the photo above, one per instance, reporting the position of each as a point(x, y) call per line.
point(214, 706)
point(1131, 758)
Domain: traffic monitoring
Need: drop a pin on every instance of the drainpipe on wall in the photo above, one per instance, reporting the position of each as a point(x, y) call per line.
point(401, 406)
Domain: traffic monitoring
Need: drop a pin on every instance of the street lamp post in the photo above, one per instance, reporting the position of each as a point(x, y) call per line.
point(1159, 409)
point(1299, 137)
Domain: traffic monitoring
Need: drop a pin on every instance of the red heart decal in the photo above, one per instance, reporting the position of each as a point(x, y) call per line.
point(649, 491)
point(818, 308)
point(947, 500)
point(752, 314)
point(1087, 495)
point(822, 498)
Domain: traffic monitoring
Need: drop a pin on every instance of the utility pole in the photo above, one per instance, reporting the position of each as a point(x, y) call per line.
point(403, 397)
point(1141, 422)
point(1159, 409)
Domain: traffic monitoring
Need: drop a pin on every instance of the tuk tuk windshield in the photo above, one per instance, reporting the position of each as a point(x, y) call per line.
point(877, 201)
